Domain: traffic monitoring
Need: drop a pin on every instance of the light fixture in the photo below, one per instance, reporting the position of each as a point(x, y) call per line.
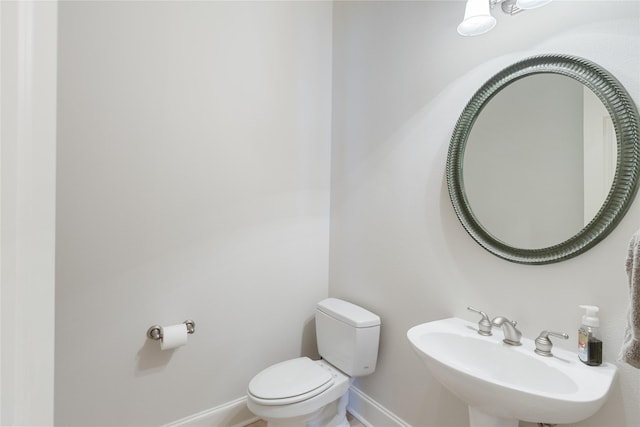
point(477, 14)
point(477, 18)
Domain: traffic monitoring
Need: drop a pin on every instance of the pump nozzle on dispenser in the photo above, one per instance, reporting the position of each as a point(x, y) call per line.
point(590, 318)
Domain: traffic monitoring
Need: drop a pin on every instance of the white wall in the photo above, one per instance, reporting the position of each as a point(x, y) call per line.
point(401, 78)
point(193, 182)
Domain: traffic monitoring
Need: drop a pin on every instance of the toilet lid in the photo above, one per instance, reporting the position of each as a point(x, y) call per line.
point(289, 382)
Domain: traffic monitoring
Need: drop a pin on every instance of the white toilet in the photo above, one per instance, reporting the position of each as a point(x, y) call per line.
point(305, 393)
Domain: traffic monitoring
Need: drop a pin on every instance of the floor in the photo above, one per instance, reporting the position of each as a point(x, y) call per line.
point(352, 422)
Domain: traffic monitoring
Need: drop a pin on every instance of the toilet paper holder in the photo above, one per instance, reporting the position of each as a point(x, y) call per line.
point(155, 332)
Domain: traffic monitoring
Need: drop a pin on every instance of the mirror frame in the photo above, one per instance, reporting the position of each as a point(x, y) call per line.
point(625, 119)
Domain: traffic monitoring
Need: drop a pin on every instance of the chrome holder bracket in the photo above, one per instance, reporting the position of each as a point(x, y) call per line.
point(155, 331)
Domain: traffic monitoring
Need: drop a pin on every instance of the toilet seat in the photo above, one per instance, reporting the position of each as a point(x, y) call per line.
point(289, 382)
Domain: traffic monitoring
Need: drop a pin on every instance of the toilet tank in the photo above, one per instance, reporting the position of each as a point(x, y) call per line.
point(348, 336)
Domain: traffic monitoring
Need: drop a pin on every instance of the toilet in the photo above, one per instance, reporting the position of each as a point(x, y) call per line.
point(302, 392)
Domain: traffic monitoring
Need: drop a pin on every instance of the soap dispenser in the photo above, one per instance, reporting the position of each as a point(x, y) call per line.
point(589, 343)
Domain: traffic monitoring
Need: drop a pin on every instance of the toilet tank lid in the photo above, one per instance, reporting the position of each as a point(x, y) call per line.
point(348, 313)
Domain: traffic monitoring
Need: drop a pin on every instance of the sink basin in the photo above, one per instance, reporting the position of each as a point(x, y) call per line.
point(503, 384)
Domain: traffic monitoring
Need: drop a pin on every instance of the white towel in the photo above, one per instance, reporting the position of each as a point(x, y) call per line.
point(630, 351)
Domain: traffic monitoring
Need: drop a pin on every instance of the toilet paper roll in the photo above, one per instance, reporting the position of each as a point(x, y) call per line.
point(173, 336)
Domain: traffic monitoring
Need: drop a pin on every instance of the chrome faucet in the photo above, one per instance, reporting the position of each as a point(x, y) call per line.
point(544, 344)
point(511, 334)
point(484, 325)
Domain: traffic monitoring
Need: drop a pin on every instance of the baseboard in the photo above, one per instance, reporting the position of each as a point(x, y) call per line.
point(236, 414)
point(230, 414)
point(371, 413)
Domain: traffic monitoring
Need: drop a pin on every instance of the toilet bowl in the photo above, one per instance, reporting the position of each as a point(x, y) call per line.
point(309, 395)
point(302, 392)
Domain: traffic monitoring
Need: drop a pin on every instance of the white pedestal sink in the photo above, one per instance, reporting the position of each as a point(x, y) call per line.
point(503, 384)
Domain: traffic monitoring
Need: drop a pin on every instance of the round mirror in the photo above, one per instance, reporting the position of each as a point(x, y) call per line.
point(543, 162)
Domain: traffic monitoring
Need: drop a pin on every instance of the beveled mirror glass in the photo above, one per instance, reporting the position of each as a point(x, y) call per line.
point(544, 160)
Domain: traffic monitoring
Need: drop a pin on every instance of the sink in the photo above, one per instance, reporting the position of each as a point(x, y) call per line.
point(502, 384)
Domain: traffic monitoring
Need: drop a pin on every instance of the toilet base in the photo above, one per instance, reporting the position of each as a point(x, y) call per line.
point(332, 415)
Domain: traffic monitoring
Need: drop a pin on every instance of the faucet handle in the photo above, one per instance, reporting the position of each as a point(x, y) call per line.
point(544, 344)
point(484, 325)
